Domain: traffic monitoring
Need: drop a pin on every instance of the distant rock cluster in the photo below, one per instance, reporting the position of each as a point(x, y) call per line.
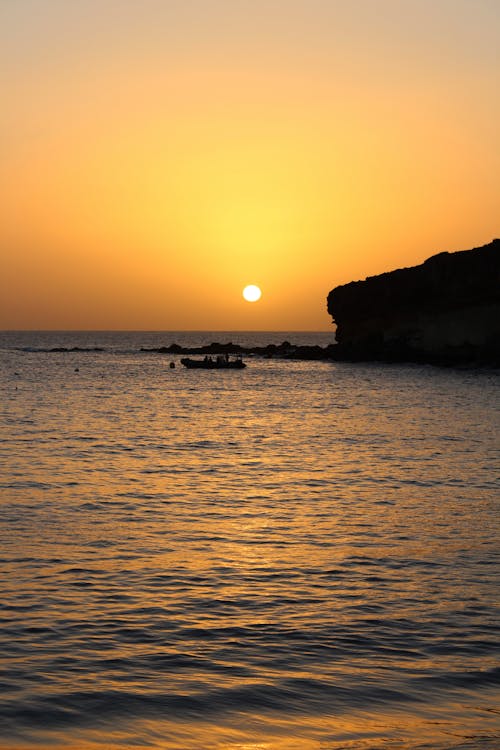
point(285, 350)
point(446, 310)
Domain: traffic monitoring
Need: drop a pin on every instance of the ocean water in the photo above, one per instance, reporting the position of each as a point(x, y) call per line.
point(300, 555)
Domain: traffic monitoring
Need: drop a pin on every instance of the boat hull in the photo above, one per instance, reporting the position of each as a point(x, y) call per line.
point(202, 364)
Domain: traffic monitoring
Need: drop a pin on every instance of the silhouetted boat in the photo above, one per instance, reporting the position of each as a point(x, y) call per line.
point(217, 363)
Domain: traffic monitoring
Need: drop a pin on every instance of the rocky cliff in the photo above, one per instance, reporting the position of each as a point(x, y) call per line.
point(447, 309)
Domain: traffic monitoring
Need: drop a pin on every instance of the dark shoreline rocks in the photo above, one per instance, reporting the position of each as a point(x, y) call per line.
point(330, 353)
point(445, 311)
point(285, 350)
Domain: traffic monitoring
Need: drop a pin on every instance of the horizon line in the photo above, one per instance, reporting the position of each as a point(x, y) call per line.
point(163, 330)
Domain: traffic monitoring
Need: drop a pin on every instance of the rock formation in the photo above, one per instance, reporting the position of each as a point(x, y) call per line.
point(445, 310)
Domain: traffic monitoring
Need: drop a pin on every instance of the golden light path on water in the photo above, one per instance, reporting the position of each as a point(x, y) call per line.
point(297, 556)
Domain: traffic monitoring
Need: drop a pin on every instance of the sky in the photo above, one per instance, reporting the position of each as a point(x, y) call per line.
point(158, 156)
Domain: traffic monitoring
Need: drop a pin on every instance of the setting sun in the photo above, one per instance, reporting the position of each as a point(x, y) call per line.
point(252, 293)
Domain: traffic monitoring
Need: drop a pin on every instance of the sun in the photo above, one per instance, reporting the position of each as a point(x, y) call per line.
point(252, 293)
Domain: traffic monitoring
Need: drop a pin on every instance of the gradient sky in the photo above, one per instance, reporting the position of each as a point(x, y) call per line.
point(157, 156)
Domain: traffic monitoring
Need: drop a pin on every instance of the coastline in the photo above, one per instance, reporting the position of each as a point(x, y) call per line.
point(286, 350)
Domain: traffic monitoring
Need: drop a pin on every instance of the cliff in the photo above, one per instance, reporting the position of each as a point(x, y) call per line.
point(447, 309)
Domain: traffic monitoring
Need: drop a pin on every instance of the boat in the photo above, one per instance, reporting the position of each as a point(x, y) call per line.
point(221, 362)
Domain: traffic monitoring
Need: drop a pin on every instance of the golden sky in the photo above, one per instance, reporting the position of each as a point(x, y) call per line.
point(157, 156)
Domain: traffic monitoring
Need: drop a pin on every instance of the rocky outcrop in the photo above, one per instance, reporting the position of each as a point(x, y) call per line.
point(445, 310)
point(285, 350)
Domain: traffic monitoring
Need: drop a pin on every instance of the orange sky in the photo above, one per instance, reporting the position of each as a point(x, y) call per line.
point(158, 156)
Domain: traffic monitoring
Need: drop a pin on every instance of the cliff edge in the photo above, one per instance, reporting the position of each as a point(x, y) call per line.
point(445, 310)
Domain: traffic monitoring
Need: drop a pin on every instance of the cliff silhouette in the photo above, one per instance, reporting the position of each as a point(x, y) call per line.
point(446, 310)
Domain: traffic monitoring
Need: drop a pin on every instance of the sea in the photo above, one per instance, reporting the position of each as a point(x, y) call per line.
point(301, 555)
